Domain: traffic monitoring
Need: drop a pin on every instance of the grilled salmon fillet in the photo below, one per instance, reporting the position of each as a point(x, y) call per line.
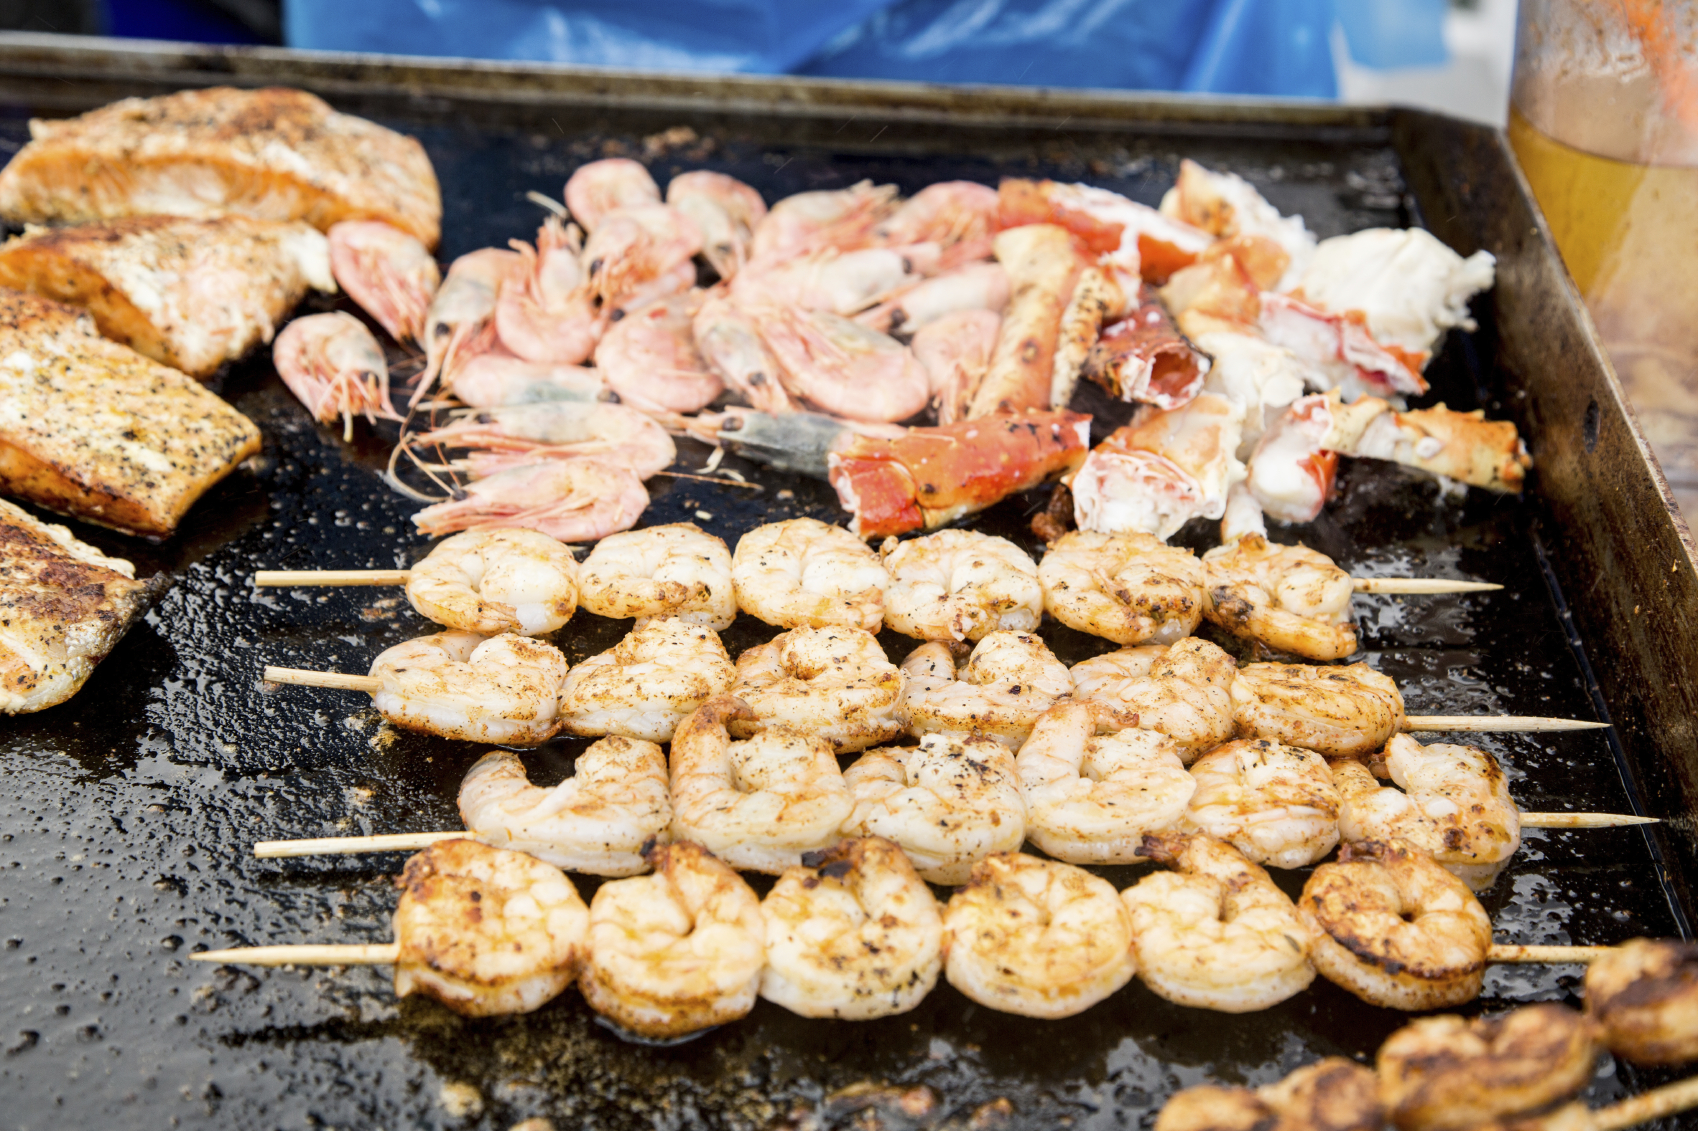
point(93, 429)
point(274, 154)
point(63, 605)
point(191, 293)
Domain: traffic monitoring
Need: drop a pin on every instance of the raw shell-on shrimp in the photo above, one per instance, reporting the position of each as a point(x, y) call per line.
point(649, 358)
point(596, 821)
point(1289, 598)
point(638, 255)
point(335, 367)
point(948, 802)
point(842, 282)
point(677, 952)
point(489, 380)
point(977, 286)
point(1337, 711)
point(1184, 691)
point(570, 500)
point(648, 683)
point(600, 188)
point(724, 209)
point(730, 344)
point(494, 581)
point(388, 272)
point(510, 436)
point(802, 572)
point(843, 219)
point(842, 367)
point(673, 570)
point(1276, 804)
point(955, 350)
point(960, 585)
point(1037, 938)
point(852, 932)
point(1128, 588)
point(485, 931)
point(834, 683)
point(959, 216)
point(503, 689)
point(545, 310)
point(1009, 680)
point(461, 321)
point(758, 804)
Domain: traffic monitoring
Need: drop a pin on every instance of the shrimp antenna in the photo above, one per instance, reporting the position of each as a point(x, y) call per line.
point(547, 202)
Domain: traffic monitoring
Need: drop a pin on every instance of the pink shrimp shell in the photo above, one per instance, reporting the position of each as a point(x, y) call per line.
point(571, 500)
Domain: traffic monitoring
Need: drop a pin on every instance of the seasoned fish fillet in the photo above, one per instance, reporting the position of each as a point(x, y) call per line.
point(275, 154)
point(191, 293)
point(96, 430)
point(63, 605)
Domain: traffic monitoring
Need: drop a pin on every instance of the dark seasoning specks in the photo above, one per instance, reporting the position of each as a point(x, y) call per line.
point(128, 816)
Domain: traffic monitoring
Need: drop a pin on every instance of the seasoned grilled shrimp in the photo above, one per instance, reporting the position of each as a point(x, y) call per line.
point(674, 570)
point(834, 683)
point(1333, 1094)
point(1182, 691)
point(493, 581)
point(1129, 588)
point(1395, 929)
point(599, 188)
point(677, 952)
point(948, 803)
point(648, 683)
point(842, 367)
point(802, 572)
point(512, 436)
point(596, 821)
point(1092, 800)
point(1009, 680)
point(486, 931)
point(726, 211)
point(808, 221)
point(1287, 597)
point(570, 500)
point(502, 689)
point(853, 932)
point(1455, 805)
point(1339, 712)
point(1447, 1073)
point(1643, 997)
point(649, 358)
point(1216, 933)
point(731, 345)
point(545, 310)
point(335, 367)
point(758, 804)
point(461, 321)
point(1037, 938)
point(388, 272)
point(1276, 804)
point(960, 585)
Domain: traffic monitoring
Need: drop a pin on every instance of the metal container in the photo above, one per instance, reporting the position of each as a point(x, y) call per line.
point(128, 814)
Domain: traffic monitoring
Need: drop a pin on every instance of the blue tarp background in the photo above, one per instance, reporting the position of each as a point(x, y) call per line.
point(1272, 47)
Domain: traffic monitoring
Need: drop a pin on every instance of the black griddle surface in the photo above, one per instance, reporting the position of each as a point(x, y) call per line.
point(128, 815)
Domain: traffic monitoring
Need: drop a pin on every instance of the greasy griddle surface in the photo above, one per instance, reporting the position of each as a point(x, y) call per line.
point(128, 814)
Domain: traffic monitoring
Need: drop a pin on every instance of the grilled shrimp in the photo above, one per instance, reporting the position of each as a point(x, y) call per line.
point(571, 500)
point(461, 321)
point(949, 803)
point(758, 804)
point(833, 683)
point(724, 209)
point(955, 350)
point(1128, 588)
point(1009, 680)
point(1455, 806)
point(960, 585)
point(596, 190)
point(802, 572)
point(388, 272)
point(806, 221)
point(731, 345)
point(648, 683)
point(676, 570)
point(1092, 800)
point(649, 358)
point(516, 435)
point(1447, 1073)
point(677, 952)
point(979, 287)
point(1182, 691)
point(1215, 933)
point(958, 216)
point(841, 367)
point(486, 931)
point(596, 821)
point(336, 368)
point(852, 932)
point(545, 309)
point(1276, 804)
point(1339, 712)
point(1643, 997)
point(1287, 597)
point(493, 581)
point(502, 689)
point(489, 380)
point(638, 255)
point(1395, 929)
point(1333, 1094)
point(1037, 938)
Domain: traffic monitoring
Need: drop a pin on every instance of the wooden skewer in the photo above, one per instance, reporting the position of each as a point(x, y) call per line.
point(1556, 954)
point(311, 577)
point(1496, 724)
point(342, 681)
point(307, 954)
point(1420, 585)
point(1670, 1099)
point(1584, 820)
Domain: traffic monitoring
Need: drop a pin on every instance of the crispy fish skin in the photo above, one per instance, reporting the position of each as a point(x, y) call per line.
point(1043, 267)
point(93, 429)
point(274, 154)
point(187, 292)
point(63, 606)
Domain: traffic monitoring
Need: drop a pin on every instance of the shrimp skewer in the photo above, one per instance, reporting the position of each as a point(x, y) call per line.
point(674, 570)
